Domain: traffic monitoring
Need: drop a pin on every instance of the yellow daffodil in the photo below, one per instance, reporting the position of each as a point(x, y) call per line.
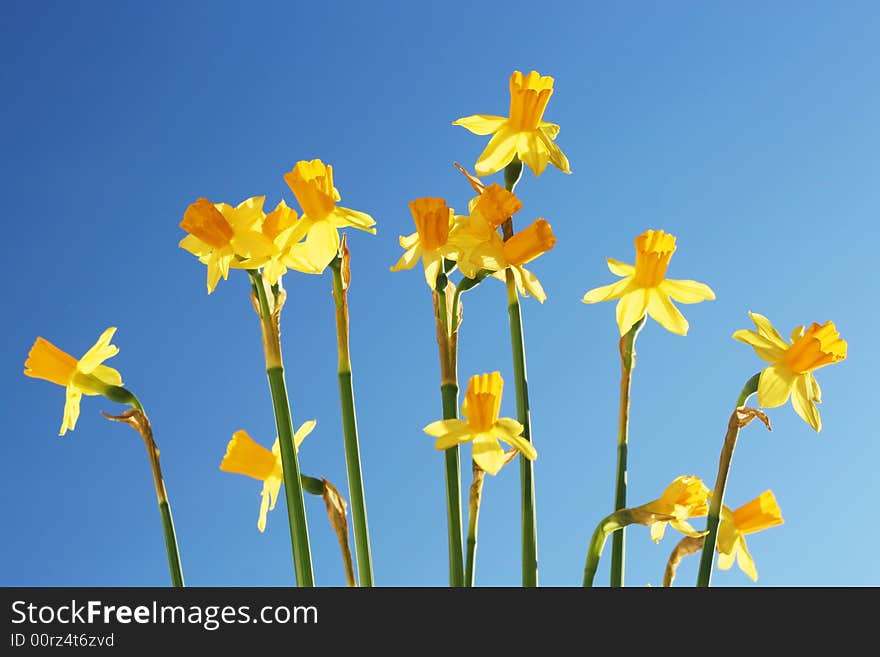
point(477, 245)
point(222, 236)
point(759, 514)
point(684, 498)
point(482, 403)
point(644, 287)
point(86, 376)
point(247, 457)
point(433, 219)
point(791, 371)
point(524, 133)
point(312, 184)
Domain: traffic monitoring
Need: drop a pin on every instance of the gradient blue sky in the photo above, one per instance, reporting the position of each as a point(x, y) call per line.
point(748, 130)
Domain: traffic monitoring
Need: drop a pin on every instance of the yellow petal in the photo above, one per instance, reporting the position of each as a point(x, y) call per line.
point(817, 391)
point(529, 283)
point(194, 245)
point(661, 308)
point(409, 241)
point(432, 261)
point(687, 291)
point(322, 244)
point(797, 333)
point(802, 402)
point(305, 429)
point(509, 430)
point(443, 427)
point(631, 308)
point(686, 528)
point(549, 129)
point(658, 530)
point(725, 560)
point(343, 217)
point(744, 560)
point(482, 124)
point(498, 153)
point(557, 157)
point(269, 495)
point(764, 347)
point(533, 151)
point(409, 259)
point(774, 385)
point(99, 352)
point(71, 409)
point(608, 292)
point(487, 453)
point(619, 268)
point(765, 328)
point(107, 375)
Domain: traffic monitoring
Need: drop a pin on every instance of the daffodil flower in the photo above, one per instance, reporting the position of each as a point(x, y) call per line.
point(792, 365)
point(86, 376)
point(761, 513)
point(433, 218)
point(483, 427)
point(312, 185)
point(222, 236)
point(478, 246)
point(247, 457)
point(644, 287)
point(684, 498)
point(524, 133)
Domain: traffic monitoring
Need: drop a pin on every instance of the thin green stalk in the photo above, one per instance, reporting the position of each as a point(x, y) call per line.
point(340, 268)
point(137, 419)
point(610, 524)
point(627, 363)
point(476, 497)
point(447, 342)
point(707, 558)
point(512, 174)
point(299, 531)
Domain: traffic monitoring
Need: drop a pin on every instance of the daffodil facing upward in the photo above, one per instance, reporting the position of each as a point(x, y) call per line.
point(684, 498)
point(221, 236)
point(247, 457)
point(86, 376)
point(312, 184)
point(644, 287)
point(433, 219)
point(524, 133)
point(761, 513)
point(792, 365)
point(483, 427)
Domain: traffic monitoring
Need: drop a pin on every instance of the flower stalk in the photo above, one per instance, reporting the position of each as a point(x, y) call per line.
point(740, 417)
point(137, 419)
point(687, 545)
point(476, 497)
point(627, 362)
point(270, 322)
point(512, 175)
point(610, 524)
point(340, 266)
point(447, 341)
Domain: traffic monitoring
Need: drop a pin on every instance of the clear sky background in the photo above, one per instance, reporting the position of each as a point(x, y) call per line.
point(750, 131)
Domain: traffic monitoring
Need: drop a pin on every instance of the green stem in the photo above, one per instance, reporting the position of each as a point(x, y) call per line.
point(299, 531)
point(476, 497)
point(617, 520)
point(627, 362)
point(349, 423)
point(512, 174)
point(707, 557)
point(447, 341)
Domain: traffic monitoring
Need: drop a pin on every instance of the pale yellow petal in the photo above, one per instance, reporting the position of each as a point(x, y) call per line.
point(814, 385)
point(802, 402)
point(608, 292)
point(482, 124)
point(765, 328)
point(304, 430)
point(533, 151)
point(509, 434)
point(343, 217)
point(322, 244)
point(658, 530)
point(71, 409)
point(108, 375)
point(432, 261)
point(194, 245)
point(498, 153)
point(488, 454)
point(797, 333)
point(99, 352)
point(631, 308)
point(529, 283)
point(557, 157)
point(687, 291)
point(443, 427)
point(774, 385)
point(269, 496)
point(661, 308)
point(744, 560)
point(549, 129)
point(725, 560)
point(764, 347)
point(409, 241)
point(409, 259)
point(619, 268)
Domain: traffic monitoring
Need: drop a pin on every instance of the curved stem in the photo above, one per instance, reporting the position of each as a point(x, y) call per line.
point(608, 525)
point(299, 531)
point(707, 558)
point(340, 268)
point(627, 363)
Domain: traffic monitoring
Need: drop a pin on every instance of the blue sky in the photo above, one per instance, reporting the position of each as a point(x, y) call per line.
point(748, 130)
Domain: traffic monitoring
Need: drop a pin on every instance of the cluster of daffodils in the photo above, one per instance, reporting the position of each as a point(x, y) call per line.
point(245, 237)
